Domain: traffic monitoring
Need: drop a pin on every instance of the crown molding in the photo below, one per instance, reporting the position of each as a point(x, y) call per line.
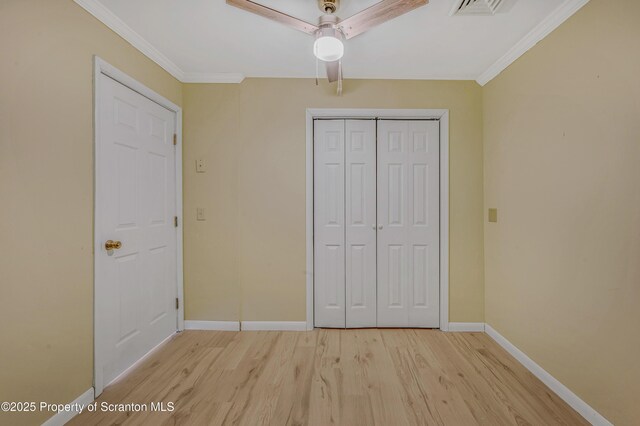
point(117, 25)
point(104, 15)
point(543, 29)
point(197, 77)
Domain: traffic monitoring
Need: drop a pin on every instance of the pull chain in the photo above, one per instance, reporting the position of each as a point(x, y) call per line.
point(340, 77)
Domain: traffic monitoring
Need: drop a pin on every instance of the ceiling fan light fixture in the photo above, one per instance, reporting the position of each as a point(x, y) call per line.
point(331, 30)
point(328, 48)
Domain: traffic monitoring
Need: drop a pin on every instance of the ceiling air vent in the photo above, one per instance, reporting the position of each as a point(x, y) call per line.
point(477, 7)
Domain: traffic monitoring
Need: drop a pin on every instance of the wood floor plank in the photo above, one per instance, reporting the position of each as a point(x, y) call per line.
point(518, 380)
point(380, 383)
point(432, 357)
point(461, 376)
point(293, 403)
point(269, 384)
point(426, 399)
point(327, 380)
point(333, 377)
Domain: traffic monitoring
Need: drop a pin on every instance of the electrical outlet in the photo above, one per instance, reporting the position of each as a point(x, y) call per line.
point(200, 213)
point(201, 166)
point(493, 215)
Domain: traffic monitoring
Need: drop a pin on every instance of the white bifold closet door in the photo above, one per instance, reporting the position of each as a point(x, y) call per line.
point(409, 223)
point(345, 223)
point(376, 223)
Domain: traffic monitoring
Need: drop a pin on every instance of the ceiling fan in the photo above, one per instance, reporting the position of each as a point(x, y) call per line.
point(331, 30)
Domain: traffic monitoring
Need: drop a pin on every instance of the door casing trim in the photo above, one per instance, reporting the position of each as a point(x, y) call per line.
point(422, 114)
point(102, 67)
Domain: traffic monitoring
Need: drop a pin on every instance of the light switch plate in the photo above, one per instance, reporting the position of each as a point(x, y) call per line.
point(200, 213)
point(493, 215)
point(201, 166)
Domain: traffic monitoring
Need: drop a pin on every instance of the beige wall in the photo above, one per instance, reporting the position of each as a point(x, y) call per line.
point(251, 249)
point(211, 132)
point(562, 165)
point(46, 194)
point(562, 142)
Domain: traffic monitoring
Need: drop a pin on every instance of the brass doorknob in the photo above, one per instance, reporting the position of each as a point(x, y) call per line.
point(112, 245)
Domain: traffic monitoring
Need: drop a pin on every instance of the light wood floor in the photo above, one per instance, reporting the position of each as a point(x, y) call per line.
point(342, 377)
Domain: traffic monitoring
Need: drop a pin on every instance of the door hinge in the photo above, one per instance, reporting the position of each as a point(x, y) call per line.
point(175, 139)
point(177, 303)
point(175, 221)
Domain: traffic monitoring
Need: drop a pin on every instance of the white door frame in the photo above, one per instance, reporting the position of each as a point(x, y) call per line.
point(102, 67)
point(345, 113)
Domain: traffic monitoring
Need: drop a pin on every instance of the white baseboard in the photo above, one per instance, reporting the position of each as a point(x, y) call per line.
point(212, 325)
point(62, 417)
point(246, 325)
point(274, 325)
point(467, 326)
point(585, 410)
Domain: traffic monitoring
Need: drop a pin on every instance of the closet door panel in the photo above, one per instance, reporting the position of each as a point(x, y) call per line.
point(329, 223)
point(392, 247)
point(424, 309)
point(360, 196)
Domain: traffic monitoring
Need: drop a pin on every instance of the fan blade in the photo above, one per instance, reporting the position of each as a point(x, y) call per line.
point(274, 15)
point(377, 14)
point(333, 71)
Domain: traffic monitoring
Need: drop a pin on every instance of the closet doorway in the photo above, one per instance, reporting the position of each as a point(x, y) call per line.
point(379, 208)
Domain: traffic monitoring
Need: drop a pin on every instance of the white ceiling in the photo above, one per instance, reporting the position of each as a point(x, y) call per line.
point(205, 37)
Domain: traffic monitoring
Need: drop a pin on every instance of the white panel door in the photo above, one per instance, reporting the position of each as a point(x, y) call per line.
point(136, 285)
point(408, 223)
point(360, 196)
point(329, 220)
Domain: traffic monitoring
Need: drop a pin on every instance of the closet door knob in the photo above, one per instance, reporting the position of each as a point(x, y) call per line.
point(379, 226)
point(373, 227)
point(112, 245)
